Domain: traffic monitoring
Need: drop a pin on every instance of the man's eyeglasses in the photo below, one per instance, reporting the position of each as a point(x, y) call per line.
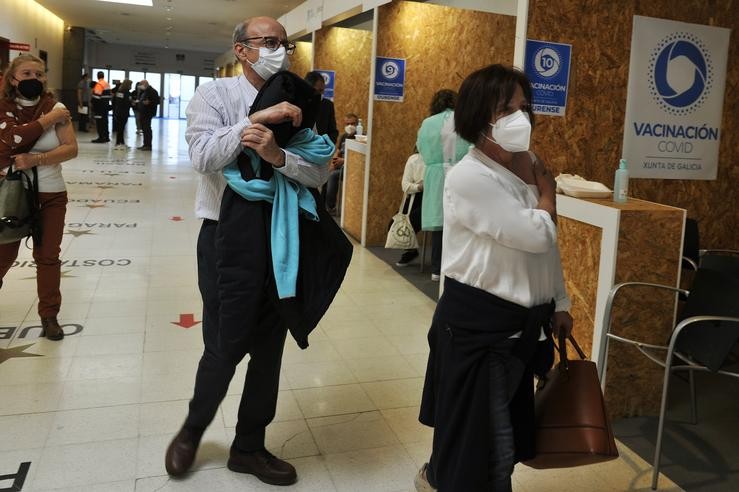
point(272, 44)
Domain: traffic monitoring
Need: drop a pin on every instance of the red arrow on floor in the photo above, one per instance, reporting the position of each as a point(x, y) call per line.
point(186, 321)
point(176, 218)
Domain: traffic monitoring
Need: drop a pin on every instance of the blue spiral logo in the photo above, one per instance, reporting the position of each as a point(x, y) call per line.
point(390, 70)
point(680, 74)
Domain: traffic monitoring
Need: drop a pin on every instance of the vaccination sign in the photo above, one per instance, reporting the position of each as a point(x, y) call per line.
point(677, 75)
point(548, 68)
point(329, 78)
point(389, 79)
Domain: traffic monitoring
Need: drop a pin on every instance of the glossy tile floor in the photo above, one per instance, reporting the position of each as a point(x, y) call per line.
point(96, 411)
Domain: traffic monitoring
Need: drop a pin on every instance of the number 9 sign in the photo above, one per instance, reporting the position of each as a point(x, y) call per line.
point(390, 70)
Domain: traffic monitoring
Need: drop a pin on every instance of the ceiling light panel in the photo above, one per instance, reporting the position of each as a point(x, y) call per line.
point(142, 3)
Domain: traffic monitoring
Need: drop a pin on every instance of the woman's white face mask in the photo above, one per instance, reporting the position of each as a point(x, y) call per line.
point(512, 132)
point(270, 62)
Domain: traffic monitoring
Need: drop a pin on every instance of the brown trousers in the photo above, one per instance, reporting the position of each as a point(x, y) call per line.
point(46, 255)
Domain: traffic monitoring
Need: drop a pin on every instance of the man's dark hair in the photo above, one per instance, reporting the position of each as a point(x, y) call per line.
point(484, 92)
point(101, 75)
point(442, 100)
point(313, 77)
point(84, 76)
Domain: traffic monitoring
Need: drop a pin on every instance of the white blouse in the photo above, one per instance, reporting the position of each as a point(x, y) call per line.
point(50, 179)
point(494, 238)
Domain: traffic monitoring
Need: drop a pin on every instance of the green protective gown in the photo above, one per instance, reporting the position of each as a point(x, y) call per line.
point(441, 148)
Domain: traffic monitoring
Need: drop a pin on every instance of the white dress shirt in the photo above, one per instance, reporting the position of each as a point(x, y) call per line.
point(494, 238)
point(216, 116)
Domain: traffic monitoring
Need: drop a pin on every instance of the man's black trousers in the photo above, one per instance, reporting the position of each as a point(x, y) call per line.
point(259, 332)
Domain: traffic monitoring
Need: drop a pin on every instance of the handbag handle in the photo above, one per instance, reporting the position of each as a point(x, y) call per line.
point(562, 349)
point(410, 205)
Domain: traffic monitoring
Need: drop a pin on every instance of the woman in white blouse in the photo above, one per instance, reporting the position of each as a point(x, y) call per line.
point(37, 136)
point(503, 292)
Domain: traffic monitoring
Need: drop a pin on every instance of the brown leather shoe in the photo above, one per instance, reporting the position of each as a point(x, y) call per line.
point(264, 465)
point(51, 328)
point(181, 453)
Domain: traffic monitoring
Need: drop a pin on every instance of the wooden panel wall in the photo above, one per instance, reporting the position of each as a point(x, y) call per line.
point(348, 52)
point(302, 60)
point(354, 187)
point(441, 45)
point(589, 139)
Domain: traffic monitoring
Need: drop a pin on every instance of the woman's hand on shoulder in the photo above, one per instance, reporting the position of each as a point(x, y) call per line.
point(544, 178)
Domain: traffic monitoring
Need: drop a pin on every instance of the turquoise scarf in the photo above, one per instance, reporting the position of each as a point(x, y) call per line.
point(288, 199)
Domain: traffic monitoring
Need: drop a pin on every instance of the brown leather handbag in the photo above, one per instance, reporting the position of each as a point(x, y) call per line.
point(572, 425)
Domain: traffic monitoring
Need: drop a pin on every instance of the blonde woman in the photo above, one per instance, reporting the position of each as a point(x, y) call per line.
point(36, 133)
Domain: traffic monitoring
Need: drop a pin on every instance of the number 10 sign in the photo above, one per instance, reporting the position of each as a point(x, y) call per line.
point(389, 79)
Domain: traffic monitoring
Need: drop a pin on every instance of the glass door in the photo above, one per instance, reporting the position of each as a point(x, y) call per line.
point(171, 95)
point(187, 87)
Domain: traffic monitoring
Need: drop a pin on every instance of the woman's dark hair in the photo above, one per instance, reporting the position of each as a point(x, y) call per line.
point(442, 100)
point(481, 93)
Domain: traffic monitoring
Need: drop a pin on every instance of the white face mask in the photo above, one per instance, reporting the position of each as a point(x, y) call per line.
point(350, 129)
point(270, 62)
point(512, 132)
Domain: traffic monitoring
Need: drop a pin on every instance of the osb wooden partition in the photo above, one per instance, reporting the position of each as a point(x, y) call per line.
point(349, 53)
point(302, 60)
point(581, 243)
point(588, 140)
point(441, 46)
point(648, 251)
point(354, 187)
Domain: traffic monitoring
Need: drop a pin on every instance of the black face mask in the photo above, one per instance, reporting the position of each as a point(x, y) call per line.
point(30, 88)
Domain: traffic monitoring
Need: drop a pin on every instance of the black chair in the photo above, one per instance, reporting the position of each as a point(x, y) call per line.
point(703, 339)
point(692, 254)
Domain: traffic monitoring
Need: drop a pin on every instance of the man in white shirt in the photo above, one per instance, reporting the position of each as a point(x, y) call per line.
point(219, 128)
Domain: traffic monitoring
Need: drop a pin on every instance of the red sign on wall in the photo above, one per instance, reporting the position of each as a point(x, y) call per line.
point(19, 47)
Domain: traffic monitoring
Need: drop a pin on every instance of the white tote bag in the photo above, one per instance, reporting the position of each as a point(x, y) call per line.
point(401, 234)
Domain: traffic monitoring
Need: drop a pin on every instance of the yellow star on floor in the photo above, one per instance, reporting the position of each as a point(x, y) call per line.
point(18, 351)
point(79, 233)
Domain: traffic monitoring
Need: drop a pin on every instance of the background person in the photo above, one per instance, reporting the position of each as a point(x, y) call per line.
point(412, 185)
point(135, 96)
point(503, 288)
point(83, 103)
point(326, 121)
point(147, 105)
point(121, 112)
point(336, 168)
point(101, 97)
point(37, 132)
point(440, 148)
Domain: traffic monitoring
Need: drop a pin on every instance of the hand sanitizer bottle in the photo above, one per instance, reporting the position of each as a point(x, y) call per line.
point(621, 183)
point(360, 128)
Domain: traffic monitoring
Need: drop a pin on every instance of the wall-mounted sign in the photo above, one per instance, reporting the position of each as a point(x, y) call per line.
point(329, 77)
point(547, 66)
point(677, 75)
point(389, 79)
point(19, 47)
point(145, 58)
